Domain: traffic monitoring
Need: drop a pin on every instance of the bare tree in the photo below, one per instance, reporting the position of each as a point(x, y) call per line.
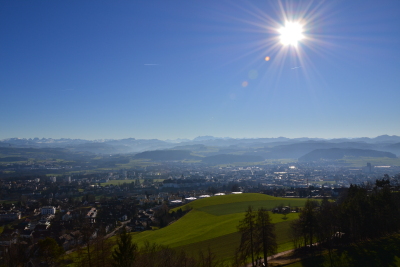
point(102, 251)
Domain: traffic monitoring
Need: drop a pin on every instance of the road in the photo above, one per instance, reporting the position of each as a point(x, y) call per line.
point(105, 237)
point(283, 253)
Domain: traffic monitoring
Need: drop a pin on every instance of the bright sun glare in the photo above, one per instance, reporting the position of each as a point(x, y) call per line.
point(291, 34)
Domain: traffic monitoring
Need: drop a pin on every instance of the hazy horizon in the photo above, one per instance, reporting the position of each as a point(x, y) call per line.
point(193, 138)
point(182, 69)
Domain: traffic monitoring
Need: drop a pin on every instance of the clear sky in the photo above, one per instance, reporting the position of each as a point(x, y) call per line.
point(181, 69)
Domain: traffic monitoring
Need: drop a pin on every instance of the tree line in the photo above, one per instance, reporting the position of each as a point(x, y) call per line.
point(362, 213)
point(258, 238)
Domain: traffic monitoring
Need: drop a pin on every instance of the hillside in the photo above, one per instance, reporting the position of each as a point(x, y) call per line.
point(338, 153)
point(215, 219)
point(394, 148)
point(165, 155)
point(227, 158)
point(280, 147)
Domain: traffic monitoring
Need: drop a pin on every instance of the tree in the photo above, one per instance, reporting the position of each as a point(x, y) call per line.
point(265, 234)
point(212, 190)
point(208, 259)
point(124, 255)
point(87, 233)
point(383, 182)
point(247, 229)
point(49, 251)
point(101, 250)
point(305, 228)
point(285, 212)
point(235, 188)
point(17, 254)
point(328, 231)
point(158, 255)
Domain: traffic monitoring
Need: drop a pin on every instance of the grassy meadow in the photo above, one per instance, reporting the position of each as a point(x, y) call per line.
point(120, 182)
point(213, 222)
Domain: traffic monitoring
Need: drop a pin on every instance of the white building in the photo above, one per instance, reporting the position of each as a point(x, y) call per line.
point(175, 202)
point(48, 210)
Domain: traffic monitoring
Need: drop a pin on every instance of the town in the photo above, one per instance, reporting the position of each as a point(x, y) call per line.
point(64, 207)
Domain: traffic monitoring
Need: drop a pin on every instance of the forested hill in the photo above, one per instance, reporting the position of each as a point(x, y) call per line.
point(166, 155)
point(226, 159)
point(340, 153)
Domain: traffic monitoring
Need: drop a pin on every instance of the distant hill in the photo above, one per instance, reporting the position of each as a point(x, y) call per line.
point(191, 147)
point(227, 159)
point(268, 148)
point(386, 138)
point(40, 153)
point(394, 148)
point(296, 150)
point(339, 153)
point(166, 155)
point(12, 159)
point(205, 138)
point(99, 148)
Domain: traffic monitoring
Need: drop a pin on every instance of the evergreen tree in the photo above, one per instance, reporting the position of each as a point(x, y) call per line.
point(49, 251)
point(247, 228)
point(305, 228)
point(124, 255)
point(265, 234)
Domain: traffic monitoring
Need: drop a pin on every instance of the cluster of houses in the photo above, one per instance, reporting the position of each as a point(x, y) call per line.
point(37, 226)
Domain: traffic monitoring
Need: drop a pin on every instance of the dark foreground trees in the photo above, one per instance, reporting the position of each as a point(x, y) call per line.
point(257, 236)
point(265, 233)
point(305, 229)
point(248, 246)
point(125, 253)
point(361, 214)
point(49, 251)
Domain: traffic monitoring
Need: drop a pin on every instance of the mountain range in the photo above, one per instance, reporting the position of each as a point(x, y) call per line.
point(221, 149)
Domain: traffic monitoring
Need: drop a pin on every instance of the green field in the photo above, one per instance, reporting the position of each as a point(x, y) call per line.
point(362, 161)
point(120, 182)
point(239, 207)
point(250, 198)
point(213, 221)
point(134, 163)
point(224, 246)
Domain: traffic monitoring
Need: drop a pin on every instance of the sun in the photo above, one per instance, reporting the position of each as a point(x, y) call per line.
point(291, 34)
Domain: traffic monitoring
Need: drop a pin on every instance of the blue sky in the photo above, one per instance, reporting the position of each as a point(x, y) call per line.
point(181, 69)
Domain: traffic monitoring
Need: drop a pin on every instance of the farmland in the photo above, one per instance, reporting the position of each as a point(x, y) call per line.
point(120, 181)
point(213, 221)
